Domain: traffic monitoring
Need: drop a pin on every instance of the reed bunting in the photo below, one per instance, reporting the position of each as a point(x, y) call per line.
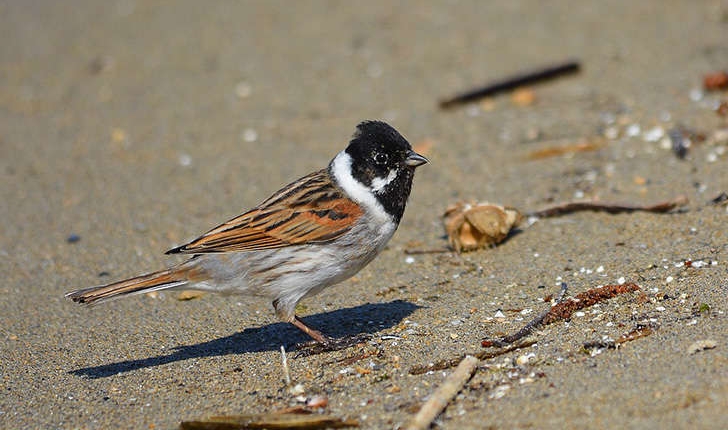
point(311, 234)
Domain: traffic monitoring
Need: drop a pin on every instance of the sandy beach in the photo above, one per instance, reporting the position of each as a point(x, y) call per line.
point(129, 127)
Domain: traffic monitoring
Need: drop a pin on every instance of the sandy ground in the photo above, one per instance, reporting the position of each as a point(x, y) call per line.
point(133, 126)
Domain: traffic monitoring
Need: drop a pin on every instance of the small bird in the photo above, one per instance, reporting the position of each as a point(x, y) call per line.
point(311, 234)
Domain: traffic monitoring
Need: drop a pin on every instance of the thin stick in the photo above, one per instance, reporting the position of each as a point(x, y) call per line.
point(444, 394)
point(286, 372)
point(528, 328)
point(427, 251)
point(612, 208)
point(510, 83)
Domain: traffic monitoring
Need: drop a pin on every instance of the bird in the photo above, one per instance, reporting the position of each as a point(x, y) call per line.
point(311, 234)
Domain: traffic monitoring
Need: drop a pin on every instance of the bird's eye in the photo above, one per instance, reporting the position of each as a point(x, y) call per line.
point(380, 158)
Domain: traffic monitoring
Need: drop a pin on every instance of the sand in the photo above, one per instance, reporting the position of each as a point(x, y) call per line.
point(129, 127)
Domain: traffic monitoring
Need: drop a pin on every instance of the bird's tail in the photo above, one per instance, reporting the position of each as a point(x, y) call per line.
point(161, 280)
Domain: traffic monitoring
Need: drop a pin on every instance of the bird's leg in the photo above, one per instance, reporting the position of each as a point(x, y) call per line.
point(323, 343)
point(315, 334)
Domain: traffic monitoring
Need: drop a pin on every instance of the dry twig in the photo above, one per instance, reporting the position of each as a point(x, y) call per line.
point(512, 82)
point(528, 328)
point(444, 394)
point(612, 208)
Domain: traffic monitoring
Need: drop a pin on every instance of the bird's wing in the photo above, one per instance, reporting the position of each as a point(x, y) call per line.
point(309, 210)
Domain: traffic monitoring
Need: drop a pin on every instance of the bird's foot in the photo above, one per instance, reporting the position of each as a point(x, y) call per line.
point(314, 347)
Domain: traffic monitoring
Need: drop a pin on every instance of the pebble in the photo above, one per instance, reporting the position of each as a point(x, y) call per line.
point(654, 134)
point(184, 160)
point(243, 89)
point(696, 94)
point(633, 130)
point(250, 135)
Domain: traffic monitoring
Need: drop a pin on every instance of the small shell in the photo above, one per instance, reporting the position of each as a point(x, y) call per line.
point(317, 402)
point(472, 225)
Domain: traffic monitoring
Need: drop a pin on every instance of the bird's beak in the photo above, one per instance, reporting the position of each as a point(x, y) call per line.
point(414, 159)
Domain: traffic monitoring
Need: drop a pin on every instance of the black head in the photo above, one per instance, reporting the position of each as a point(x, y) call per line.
point(384, 161)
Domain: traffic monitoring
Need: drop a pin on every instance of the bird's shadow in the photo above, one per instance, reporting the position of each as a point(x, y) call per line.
point(368, 318)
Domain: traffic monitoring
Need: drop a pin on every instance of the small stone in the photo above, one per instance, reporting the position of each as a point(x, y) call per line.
point(297, 390)
point(189, 295)
point(654, 134)
point(317, 402)
point(243, 89)
point(185, 160)
point(633, 130)
point(523, 97)
point(118, 135)
point(696, 94)
point(250, 135)
point(611, 133)
point(525, 358)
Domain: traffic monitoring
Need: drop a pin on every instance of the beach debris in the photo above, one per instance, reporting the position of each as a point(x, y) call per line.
point(612, 208)
point(585, 145)
point(641, 330)
point(317, 402)
point(722, 109)
point(298, 419)
point(566, 308)
point(73, 238)
point(472, 225)
point(701, 345)
point(189, 295)
point(284, 364)
point(243, 89)
point(721, 199)
point(512, 82)
point(307, 349)
point(101, 64)
point(523, 97)
point(680, 142)
point(444, 394)
point(449, 363)
point(715, 81)
point(528, 328)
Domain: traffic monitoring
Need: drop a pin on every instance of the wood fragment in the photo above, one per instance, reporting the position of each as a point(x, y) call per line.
point(419, 369)
point(555, 151)
point(528, 328)
point(409, 251)
point(716, 81)
point(512, 82)
point(641, 330)
point(306, 421)
point(563, 310)
point(284, 363)
point(612, 208)
point(439, 400)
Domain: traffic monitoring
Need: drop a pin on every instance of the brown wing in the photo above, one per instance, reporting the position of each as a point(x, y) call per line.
point(310, 210)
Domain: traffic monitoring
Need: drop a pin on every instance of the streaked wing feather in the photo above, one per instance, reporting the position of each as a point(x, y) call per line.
point(310, 210)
